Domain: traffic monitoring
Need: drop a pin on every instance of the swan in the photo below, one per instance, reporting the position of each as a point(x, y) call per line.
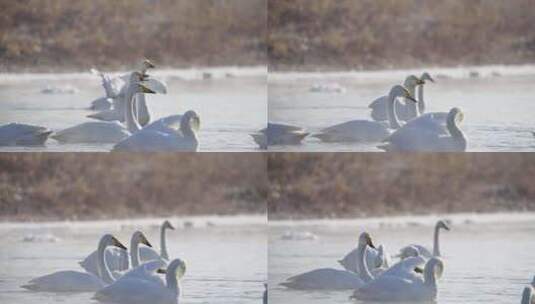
point(116, 259)
point(366, 130)
point(106, 102)
point(279, 134)
point(135, 291)
point(149, 254)
point(329, 278)
point(425, 252)
point(528, 295)
point(421, 103)
point(391, 288)
point(428, 136)
point(75, 281)
point(404, 111)
point(16, 134)
point(163, 138)
point(103, 132)
point(373, 259)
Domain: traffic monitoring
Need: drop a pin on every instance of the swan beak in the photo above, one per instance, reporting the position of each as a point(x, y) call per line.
point(409, 97)
point(171, 227)
point(420, 82)
point(149, 64)
point(370, 243)
point(418, 270)
point(146, 90)
point(161, 271)
point(145, 241)
point(116, 243)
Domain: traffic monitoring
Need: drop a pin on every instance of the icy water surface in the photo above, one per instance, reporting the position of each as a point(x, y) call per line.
point(225, 263)
point(232, 103)
point(486, 261)
point(499, 104)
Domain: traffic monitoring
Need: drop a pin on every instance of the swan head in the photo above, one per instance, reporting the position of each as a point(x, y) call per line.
point(412, 81)
point(193, 119)
point(110, 240)
point(425, 76)
point(443, 225)
point(366, 240)
point(434, 267)
point(145, 65)
point(176, 268)
point(139, 238)
point(167, 225)
point(400, 91)
point(456, 116)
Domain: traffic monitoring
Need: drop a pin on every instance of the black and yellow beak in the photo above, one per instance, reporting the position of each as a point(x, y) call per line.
point(116, 243)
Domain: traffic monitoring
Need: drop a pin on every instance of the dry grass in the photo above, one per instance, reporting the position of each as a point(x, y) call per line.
point(87, 186)
point(306, 34)
point(63, 34)
point(364, 184)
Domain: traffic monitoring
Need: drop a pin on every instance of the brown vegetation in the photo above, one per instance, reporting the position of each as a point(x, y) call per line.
point(306, 34)
point(366, 184)
point(90, 186)
point(59, 34)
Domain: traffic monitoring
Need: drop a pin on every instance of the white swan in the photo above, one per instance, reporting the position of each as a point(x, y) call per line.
point(135, 291)
point(163, 138)
point(329, 278)
point(405, 111)
point(103, 132)
point(392, 288)
point(16, 134)
point(374, 259)
point(116, 259)
point(75, 281)
point(149, 254)
point(366, 130)
point(427, 135)
point(279, 134)
point(425, 252)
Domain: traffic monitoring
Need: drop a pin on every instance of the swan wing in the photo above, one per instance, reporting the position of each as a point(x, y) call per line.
point(349, 261)
point(165, 123)
point(388, 288)
point(154, 141)
point(146, 271)
point(116, 259)
point(354, 131)
point(23, 134)
point(65, 281)
point(92, 132)
point(149, 254)
point(135, 291)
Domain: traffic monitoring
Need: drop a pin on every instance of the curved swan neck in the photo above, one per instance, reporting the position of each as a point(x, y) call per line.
point(436, 243)
point(421, 103)
point(185, 127)
point(163, 244)
point(391, 111)
point(362, 266)
point(102, 267)
point(455, 131)
point(527, 295)
point(134, 251)
point(142, 111)
point(430, 278)
point(413, 107)
point(172, 282)
point(131, 122)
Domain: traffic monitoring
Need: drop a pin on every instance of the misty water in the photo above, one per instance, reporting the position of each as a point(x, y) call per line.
point(224, 263)
point(485, 261)
point(498, 104)
point(232, 103)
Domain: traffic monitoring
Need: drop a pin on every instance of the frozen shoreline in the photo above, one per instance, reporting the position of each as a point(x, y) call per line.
point(414, 220)
point(196, 221)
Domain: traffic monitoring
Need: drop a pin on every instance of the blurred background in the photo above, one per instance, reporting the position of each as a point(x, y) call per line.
point(70, 35)
point(71, 186)
point(356, 185)
point(372, 34)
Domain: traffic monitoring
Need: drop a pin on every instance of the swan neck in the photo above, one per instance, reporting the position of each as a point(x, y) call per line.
point(142, 111)
point(185, 127)
point(102, 266)
point(456, 132)
point(362, 266)
point(421, 103)
point(131, 122)
point(527, 295)
point(436, 242)
point(134, 252)
point(172, 283)
point(391, 111)
point(163, 244)
point(430, 278)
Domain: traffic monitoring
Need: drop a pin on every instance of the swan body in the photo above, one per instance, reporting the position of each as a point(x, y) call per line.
point(404, 111)
point(116, 259)
point(418, 138)
point(349, 261)
point(136, 291)
point(101, 104)
point(390, 288)
point(279, 134)
point(366, 130)
point(75, 281)
point(93, 132)
point(324, 278)
point(15, 134)
point(166, 138)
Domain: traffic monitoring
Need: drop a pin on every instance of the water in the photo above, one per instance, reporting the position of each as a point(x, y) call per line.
point(487, 261)
point(232, 104)
point(226, 262)
point(498, 104)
